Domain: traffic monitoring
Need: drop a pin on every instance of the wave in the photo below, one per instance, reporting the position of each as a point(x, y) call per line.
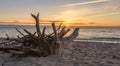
point(101, 39)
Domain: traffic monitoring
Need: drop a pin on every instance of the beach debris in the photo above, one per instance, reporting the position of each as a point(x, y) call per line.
point(39, 43)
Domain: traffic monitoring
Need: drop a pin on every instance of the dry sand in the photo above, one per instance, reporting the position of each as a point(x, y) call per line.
point(77, 54)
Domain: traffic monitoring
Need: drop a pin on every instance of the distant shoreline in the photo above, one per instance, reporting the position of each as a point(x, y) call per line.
point(70, 26)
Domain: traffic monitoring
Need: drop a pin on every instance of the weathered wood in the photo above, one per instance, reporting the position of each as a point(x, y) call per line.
point(20, 32)
point(55, 32)
point(9, 48)
point(63, 33)
point(37, 23)
point(63, 29)
point(17, 52)
point(43, 32)
point(22, 50)
point(34, 33)
point(59, 27)
point(70, 38)
point(67, 40)
point(27, 32)
point(59, 49)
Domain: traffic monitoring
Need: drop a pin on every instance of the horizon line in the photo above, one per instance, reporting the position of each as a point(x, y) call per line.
point(56, 25)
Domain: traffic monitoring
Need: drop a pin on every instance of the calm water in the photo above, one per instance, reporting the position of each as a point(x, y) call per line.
point(95, 34)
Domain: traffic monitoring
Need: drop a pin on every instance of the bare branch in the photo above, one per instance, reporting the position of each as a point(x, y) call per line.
point(43, 33)
point(70, 38)
point(27, 32)
point(37, 23)
point(63, 33)
point(59, 27)
point(34, 33)
point(20, 32)
point(55, 32)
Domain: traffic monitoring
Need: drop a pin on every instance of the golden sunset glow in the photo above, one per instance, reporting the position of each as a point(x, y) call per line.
point(77, 13)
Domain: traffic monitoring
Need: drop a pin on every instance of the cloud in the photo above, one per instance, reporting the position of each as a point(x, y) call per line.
point(109, 8)
point(83, 3)
point(15, 23)
point(91, 23)
point(113, 5)
point(105, 14)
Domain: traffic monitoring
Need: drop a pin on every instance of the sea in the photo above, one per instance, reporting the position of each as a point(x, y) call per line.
point(88, 34)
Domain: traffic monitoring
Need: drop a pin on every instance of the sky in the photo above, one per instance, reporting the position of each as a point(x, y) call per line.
point(69, 12)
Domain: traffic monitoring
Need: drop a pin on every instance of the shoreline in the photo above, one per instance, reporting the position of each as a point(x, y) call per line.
point(77, 40)
point(91, 41)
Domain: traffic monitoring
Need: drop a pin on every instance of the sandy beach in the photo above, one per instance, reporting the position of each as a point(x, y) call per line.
point(76, 54)
point(60, 33)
